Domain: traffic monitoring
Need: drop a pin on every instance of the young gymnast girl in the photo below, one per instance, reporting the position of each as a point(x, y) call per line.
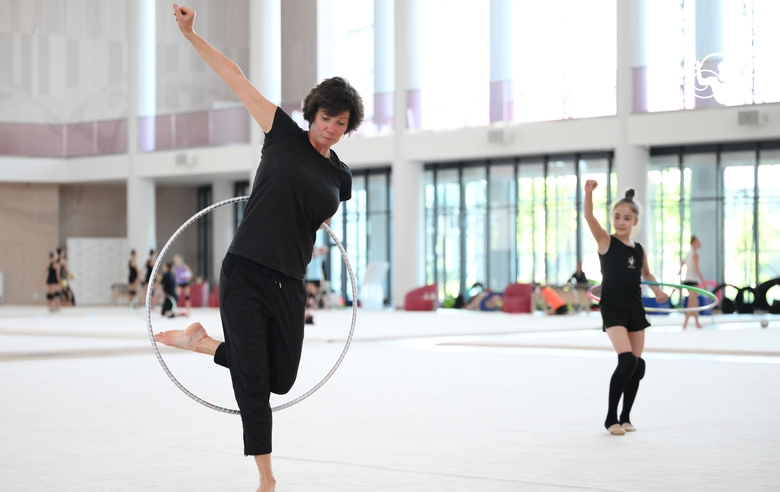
point(623, 266)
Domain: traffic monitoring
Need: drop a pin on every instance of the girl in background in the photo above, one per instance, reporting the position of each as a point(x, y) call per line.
point(53, 287)
point(133, 280)
point(692, 277)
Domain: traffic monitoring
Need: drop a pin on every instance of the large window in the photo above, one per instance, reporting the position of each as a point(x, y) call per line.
point(768, 195)
point(727, 195)
point(502, 210)
point(707, 53)
point(739, 218)
point(364, 226)
point(454, 63)
point(565, 59)
point(353, 51)
point(531, 222)
point(562, 208)
point(664, 223)
point(511, 220)
point(444, 234)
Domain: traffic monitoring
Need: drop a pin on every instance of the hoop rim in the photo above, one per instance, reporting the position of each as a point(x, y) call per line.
point(705, 307)
point(150, 328)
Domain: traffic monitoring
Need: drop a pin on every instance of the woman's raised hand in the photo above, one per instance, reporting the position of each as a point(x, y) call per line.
point(184, 17)
point(591, 185)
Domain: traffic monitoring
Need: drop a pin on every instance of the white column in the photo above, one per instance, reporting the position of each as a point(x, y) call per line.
point(326, 39)
point(223, 224)
point(147, 69)
point(265, 64)
point(407, 35)
point(631, 161)
point(408, 178)
point(384, 63)
point(141, 204)
point(299, 53)
point(501, 77)
point(141, 210)
point(639, 61)
point(709, 40)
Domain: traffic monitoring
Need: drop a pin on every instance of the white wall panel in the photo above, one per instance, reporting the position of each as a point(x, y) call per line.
point(97, 263)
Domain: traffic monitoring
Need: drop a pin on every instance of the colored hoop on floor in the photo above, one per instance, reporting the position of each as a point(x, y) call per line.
point(670, 310)
point(156, 349)
point(174, 304)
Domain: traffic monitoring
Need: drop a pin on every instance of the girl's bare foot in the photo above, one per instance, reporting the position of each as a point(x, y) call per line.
point(190, 339)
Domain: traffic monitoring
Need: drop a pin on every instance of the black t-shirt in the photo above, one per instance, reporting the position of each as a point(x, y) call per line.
point(295, 190)
point(621, 270)
point(169, 283)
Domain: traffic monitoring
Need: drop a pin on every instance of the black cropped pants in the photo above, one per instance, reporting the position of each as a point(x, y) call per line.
point(262, 314)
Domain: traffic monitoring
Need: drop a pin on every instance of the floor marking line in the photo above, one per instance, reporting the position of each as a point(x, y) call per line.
point(757, 353)
point(72, 354)
point(72, 334)
point(444, 474)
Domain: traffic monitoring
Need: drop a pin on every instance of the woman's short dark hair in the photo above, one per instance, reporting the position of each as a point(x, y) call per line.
point(334, 95)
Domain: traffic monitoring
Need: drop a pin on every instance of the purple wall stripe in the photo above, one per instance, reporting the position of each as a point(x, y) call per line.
point(165, 132)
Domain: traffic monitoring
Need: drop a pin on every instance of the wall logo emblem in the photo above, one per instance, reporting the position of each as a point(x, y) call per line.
point(727, 77)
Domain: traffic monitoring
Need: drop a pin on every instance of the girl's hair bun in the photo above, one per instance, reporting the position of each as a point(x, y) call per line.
point(630, 193)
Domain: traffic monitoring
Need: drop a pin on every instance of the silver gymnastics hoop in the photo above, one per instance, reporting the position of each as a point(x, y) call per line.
point(690, 288)
point(156, 349)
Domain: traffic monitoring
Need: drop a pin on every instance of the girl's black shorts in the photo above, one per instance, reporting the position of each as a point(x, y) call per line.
point(632, 319)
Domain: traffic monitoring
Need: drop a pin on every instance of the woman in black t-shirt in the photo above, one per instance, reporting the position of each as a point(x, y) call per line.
point(623, 266)
point(298, 186)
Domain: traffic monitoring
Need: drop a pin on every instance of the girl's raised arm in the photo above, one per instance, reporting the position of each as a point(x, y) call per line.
point(601, 236)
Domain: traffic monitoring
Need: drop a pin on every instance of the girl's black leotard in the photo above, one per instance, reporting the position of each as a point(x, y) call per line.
point(133, 276)
point(149, 267)
point(51, 277)
point(621, 268)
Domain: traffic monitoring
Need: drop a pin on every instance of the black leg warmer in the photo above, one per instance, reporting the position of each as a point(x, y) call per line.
point(629, 392)
point(627, 363)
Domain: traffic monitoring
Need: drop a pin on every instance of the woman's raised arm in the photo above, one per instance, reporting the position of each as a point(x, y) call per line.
point(261, 109)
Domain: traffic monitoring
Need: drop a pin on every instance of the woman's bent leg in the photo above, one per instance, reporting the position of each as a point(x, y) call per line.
point(243, 308)
point(286, 337)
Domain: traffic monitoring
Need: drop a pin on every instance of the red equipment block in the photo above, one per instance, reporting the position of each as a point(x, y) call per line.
point(517, 298)
point(422, 298)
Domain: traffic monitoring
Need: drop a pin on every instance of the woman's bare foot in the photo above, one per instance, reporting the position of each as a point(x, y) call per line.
point(267, 479)
point(267, 486)
point(193, 338)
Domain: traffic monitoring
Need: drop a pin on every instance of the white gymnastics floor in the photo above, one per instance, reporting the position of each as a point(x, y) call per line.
point(447, 401)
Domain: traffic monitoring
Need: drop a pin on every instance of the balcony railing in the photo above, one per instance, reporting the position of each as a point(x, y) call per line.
point(210, 128)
